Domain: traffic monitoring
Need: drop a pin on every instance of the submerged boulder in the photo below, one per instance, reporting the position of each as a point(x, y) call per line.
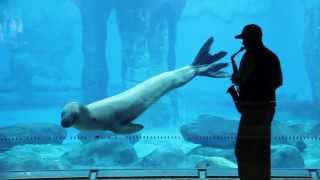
point(164, 157)
point(213, 131)
point(32, 133)
point(34, 158)
point(286, 156)
point(218, 132)
point(173, 157)
point(117, 151)
point(292, 134)
point(213, 162)
point(311, 154)
point(210, 151)
point(89, 136)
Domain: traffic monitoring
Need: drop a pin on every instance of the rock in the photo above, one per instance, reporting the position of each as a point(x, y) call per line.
point(116, 151)
point(89, 136)
point(210, 151)
point(172, 157)
point(202, 132)
point(214, 162)
point(286, 156)
point(164, 157)
point(224, 136)
point(289, 134)
point(301, 146)
point(34, 158)
point(33, 133)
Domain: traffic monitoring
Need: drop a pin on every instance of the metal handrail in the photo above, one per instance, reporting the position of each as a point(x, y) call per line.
point(93, 174)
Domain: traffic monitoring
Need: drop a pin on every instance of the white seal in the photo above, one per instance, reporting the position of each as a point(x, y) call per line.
point(117, 112)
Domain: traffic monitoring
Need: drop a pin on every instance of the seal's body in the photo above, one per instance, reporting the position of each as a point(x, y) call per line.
point(116, 113)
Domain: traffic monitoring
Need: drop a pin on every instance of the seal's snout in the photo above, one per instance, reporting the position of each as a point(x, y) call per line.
point(70, 114)
point(65, 123)
point(68, 119)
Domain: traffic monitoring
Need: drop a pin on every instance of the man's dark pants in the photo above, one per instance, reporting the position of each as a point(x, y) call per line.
point(253, 144)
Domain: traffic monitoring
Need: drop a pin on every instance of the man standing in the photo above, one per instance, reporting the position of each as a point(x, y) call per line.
point(258, 78)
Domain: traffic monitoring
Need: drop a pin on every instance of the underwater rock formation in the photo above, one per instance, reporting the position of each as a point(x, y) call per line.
point(201, 131)
point(34, 133)
point(89, 136)
point(215, 162)
point(289, 134)
point(103, 152)
point(312, 155)
point(286, 156)
point(173, 157)
point(169, 157)
point(210, 151)
point(312, 49)
point(224, 134)
point(34, 158)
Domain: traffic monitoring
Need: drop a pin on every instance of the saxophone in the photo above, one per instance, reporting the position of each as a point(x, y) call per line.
point(233, 89)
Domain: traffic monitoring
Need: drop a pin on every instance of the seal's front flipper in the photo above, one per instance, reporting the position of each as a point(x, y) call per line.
point(128, 128)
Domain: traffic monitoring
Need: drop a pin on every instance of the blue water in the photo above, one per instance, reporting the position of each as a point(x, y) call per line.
point(43, 51)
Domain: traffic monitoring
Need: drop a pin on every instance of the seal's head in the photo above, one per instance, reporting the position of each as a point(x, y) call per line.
point(70, 114)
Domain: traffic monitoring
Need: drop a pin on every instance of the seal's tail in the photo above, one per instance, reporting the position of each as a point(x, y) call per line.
point(213, 70)
point(205, 62)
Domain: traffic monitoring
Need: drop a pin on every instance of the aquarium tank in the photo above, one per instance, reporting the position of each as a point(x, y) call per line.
point(53, 52)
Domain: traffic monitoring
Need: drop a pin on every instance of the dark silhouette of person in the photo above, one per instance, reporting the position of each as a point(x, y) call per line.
point(258, 77)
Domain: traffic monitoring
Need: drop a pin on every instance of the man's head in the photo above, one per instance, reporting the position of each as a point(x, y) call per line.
point(251, 35)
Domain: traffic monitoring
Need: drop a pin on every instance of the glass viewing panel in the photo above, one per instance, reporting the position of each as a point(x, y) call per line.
point(53, 52)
